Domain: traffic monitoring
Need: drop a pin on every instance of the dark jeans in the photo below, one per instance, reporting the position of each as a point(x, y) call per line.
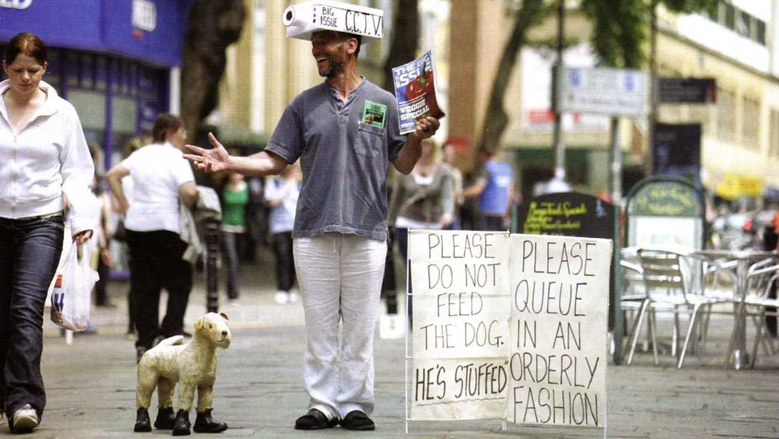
point(29, 253)
point(492, 223)
point(230, 248)
point(285, 262)
point(104, 271)
point(156, 263)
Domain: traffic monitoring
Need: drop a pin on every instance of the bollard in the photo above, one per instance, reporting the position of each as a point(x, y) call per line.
point(212, 253)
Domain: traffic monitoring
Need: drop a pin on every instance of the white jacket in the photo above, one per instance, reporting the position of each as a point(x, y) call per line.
point(47, 159)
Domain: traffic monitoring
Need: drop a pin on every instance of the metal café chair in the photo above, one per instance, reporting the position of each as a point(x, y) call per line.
point(756, 303)
point(633, 302)
point(673, 281)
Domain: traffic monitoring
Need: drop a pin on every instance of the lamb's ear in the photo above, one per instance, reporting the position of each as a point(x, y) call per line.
point(224, 315)
point(199, 323)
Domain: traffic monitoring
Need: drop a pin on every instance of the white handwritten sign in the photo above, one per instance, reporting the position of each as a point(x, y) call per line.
point(509, 327)
point(303, 19)
point(560, 296)
point(460, 324)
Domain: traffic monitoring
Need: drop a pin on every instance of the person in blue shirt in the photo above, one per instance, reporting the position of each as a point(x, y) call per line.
point(494, 188)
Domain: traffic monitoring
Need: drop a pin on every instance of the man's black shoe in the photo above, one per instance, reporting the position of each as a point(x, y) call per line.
point(357, 420)
point(314, 420)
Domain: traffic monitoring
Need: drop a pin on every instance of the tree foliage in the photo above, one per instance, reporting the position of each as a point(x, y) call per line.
point(405, 38)
point(621, 28)
point(496, 120)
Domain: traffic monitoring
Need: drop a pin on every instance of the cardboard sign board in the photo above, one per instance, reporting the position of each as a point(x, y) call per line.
point(460, 325)
point(509, 327)
point(303, 19)
point(687, 90)
point(559, 304)
point(612, 92)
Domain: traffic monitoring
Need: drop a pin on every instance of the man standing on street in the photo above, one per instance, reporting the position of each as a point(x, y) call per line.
point(340, 232)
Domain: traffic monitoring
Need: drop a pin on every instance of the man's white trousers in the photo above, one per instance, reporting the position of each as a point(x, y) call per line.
point(340, 279)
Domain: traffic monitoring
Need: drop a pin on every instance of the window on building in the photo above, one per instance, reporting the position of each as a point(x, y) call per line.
point(773, 134)
point(726, 115)
point(751, 124)
point(729, 16)
point(760, 31)
point(744, 24)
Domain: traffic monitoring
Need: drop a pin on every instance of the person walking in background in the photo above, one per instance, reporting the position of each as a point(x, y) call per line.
point(256, 220)
point(340, 233)
point(46, 173)
point(449, 154)
point(281, 196)
point(494, 189)
point(423, 199)
point(235, 197)
point(161, 177)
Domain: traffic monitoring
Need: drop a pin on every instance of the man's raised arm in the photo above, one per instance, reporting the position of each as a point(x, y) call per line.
point(217, 159)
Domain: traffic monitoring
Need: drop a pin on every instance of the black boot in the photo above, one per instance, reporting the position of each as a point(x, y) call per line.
point(165, 418)
point(182, 425)
point(204, 423)
point(142, 421)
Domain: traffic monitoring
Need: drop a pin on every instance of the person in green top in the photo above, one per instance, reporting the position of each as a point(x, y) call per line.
point(235, 197)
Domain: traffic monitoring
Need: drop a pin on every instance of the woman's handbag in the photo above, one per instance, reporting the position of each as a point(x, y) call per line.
point(70, 298)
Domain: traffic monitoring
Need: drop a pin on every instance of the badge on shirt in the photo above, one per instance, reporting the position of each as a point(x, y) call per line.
point(374, 114)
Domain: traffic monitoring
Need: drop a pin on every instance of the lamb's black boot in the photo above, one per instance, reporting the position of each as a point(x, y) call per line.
point(166, 417)
point(204, 423)
point(181, 426)
point(142, 421)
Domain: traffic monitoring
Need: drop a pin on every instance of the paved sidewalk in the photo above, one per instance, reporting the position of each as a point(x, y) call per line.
point(259, 390)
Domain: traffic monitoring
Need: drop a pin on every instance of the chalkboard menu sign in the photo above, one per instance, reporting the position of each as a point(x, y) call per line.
point(567, 214)
point(665, 211)
point(666, 198)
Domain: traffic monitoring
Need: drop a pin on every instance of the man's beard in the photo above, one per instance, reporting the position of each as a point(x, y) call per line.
point(334, 66)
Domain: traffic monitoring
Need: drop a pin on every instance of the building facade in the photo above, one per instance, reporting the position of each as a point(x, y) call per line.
point(117, 62)
point(736, 46)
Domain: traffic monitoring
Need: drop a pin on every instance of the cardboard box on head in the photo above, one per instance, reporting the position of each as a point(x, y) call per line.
point(303, 19)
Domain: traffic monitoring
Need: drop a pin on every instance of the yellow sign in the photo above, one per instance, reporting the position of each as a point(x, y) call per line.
point(734, 186)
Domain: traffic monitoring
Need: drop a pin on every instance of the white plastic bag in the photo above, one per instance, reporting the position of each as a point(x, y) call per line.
point(70, 298)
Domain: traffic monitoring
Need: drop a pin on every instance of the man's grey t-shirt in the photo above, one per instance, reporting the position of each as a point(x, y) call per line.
point(345, 149)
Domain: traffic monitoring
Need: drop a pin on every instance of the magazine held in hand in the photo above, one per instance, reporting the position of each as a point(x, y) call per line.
point(415, 91)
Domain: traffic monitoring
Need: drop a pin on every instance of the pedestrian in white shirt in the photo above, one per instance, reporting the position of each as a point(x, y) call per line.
point(45, 178)
point(161, 177)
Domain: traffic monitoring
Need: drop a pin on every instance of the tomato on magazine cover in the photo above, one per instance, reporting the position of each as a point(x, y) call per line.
point(423, 85)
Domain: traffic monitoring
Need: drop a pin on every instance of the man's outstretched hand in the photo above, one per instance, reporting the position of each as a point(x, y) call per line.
point(209, 160)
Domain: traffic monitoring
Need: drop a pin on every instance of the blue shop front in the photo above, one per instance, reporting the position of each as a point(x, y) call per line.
point(116, 61)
